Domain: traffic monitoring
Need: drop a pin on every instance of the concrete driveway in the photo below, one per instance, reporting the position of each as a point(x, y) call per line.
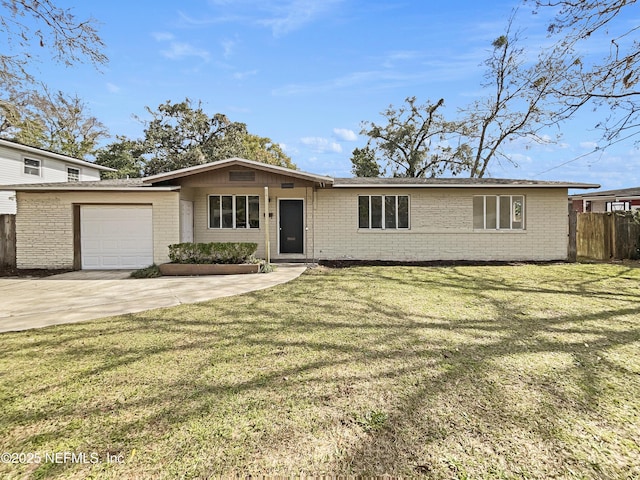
point(27, 303)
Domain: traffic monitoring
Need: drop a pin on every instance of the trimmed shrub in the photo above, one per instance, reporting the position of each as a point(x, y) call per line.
point(215, 252)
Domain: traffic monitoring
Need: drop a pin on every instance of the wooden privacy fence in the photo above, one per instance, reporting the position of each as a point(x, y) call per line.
point(606, 236)
point(7, 242)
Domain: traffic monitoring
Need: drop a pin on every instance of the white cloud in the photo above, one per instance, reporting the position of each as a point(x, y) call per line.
point(112, 88)
point(281, 16)
point(589, 145)
point(243, 75)
point(180, 50)
point(321, 145)
point(227, 47)
point(162, 36)
point(400, 56)
point(345, 134)
point(287, 16)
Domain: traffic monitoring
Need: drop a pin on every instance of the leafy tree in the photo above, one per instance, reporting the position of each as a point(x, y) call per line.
point(125, 155)
point(59, 123)
point(411, 140)
point(364, 163)
point(263, 149)
point(611, 82)
point(516, 106)
point(28, 27)
point(182, 135)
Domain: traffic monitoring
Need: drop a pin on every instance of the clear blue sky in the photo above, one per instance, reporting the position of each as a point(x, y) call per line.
point(306, 73)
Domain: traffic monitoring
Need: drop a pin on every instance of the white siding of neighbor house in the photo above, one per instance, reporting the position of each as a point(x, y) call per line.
point(51, 170)
point(44, 224)
point(441, 227)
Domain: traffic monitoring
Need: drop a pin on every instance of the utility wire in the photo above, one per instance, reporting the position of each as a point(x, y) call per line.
point(597, 149)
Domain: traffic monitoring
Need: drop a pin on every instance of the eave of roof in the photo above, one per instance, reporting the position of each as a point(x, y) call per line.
point(623, 192)
point(118, 185)
point(362, 182)
point(184, 172)
point(56, 156)
point(52, 188)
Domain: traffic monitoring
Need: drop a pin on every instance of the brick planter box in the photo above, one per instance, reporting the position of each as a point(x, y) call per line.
point(189, 269)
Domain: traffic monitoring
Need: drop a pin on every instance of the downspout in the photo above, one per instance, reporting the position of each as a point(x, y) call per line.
point(313, 219)
point(267, 246)
point(306, 226)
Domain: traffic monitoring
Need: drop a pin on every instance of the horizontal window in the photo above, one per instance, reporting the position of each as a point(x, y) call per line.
point(383, 211)
point(32, 167)
point(234, 211)
point(498, 212)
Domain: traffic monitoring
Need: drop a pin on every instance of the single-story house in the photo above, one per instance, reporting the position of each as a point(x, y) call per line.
point(625, 200)
point(24, 164)
point(291, 215)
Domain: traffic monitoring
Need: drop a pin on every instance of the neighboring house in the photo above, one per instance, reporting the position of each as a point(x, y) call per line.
point(20, 164)
point(291, 215)
point(625, 199)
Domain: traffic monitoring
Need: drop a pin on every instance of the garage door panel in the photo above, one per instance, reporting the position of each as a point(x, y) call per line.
point(115, 237)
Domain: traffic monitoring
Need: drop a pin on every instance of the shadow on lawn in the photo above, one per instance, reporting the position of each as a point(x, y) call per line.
point(337, 346)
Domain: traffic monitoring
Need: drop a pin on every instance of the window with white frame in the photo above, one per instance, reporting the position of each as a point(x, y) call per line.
point(234, 211)
point(32, 166)
point(498, 212)
point(73, 174)
point(386, 212)
point(621, 206)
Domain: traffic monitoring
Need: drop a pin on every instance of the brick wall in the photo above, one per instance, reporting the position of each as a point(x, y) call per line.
point(44, 224)
point(441, 227)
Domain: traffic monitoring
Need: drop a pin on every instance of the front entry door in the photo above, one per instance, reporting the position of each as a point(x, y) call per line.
point(291, 226)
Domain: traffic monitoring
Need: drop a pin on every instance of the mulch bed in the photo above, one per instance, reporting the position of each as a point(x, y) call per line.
point(30, 272)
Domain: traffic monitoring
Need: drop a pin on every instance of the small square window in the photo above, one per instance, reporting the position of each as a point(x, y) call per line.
point(73, 174)
point(32, 167)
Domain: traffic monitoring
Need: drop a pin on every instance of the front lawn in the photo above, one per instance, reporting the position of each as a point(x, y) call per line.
point(451, 372)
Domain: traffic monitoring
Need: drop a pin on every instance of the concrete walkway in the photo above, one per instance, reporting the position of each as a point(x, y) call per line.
point(27, 303)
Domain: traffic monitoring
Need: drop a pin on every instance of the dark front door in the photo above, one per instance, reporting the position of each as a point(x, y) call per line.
point(291, 226)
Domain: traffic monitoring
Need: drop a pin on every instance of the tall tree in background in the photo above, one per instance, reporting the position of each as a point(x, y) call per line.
point(611, 81)
point(29, 28)
point(59, 123)
point(515, 107)
point(263, 149)
point(182, 135)
point(125, 155)
point(364, 163)
point(411, 141)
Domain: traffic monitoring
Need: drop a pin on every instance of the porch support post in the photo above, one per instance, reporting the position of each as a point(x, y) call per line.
point(267, 246)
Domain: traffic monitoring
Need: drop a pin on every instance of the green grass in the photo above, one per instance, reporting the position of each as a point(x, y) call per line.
point(455, 372)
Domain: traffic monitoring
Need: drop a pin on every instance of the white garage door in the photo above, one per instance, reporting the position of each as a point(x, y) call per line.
point(113, 237)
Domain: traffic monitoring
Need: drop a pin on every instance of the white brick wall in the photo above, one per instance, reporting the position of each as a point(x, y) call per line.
point(441, 227)
point(44, 224)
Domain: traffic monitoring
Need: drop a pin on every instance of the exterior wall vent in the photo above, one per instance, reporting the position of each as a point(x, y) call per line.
point(242, 176)
point(286, 185)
